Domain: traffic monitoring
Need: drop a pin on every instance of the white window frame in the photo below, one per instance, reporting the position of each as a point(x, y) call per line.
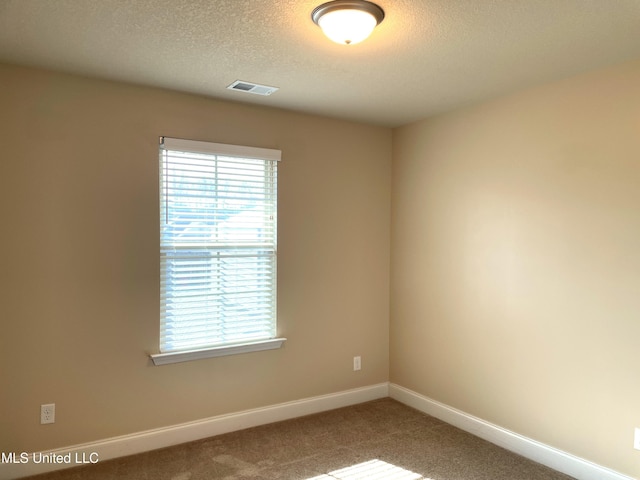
point(170, 323)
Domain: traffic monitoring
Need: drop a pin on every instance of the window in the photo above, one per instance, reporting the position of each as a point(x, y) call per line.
point(218, 232)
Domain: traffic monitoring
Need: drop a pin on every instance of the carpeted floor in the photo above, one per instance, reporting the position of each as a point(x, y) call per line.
point(383, 440)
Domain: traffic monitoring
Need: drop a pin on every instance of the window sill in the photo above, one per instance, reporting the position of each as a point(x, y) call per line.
point(188, 355)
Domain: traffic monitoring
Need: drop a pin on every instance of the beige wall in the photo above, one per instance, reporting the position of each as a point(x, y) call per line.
point(516, 263)
point(80, 259)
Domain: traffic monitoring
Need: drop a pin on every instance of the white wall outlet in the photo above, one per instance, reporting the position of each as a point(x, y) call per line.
point(636, 439)
point(357, 363)
point(48, 413)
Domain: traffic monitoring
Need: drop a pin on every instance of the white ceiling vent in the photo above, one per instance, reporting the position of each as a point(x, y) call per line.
point(249, 87)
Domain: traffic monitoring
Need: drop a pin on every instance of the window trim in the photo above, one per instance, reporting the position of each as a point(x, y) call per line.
point(211, 352)
point(247, 346)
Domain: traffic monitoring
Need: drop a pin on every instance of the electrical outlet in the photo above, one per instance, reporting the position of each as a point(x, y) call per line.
point(48, 413)
point(357, 363)
point(636, 439)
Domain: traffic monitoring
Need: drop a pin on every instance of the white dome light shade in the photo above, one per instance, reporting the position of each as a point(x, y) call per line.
point(347, 26)
point(347, 22)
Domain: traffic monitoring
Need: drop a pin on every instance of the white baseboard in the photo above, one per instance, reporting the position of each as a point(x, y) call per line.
point(187, 432)
point(528, 448)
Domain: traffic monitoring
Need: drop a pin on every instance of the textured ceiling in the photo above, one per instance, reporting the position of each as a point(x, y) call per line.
point(426, 57)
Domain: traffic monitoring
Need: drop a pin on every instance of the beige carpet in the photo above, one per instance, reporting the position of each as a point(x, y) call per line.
point(381, 440)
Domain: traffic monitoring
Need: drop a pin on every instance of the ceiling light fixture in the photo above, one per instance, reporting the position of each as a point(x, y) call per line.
point(347, 21)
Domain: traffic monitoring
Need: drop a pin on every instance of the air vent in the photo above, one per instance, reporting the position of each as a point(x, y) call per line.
point(249, 87)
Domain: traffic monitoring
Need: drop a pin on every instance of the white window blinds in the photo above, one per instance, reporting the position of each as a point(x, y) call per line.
point(218, 207)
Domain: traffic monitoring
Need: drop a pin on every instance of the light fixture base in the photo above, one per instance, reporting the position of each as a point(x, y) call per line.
point(362, 5)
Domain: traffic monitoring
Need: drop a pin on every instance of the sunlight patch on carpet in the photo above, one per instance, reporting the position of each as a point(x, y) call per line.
point(371, 470)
